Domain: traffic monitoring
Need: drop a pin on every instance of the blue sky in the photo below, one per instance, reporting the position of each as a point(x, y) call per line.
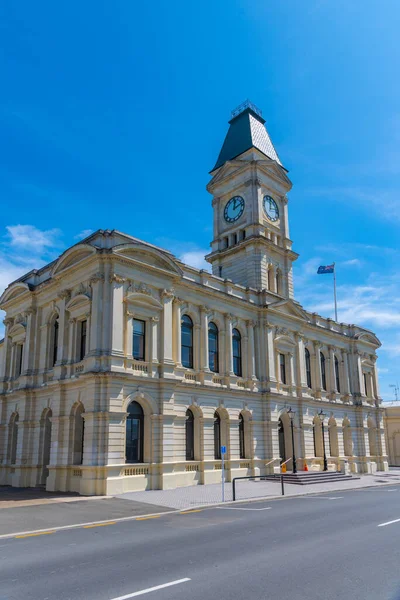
point(113, 113)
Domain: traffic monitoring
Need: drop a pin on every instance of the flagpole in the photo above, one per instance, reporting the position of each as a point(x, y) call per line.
point(334, 289)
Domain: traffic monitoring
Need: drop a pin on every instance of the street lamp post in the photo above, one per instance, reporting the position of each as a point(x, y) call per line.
point(291, 414)
point(322, 416)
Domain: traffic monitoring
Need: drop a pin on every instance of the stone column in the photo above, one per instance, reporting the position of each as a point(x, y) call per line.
point(346, 382)
point(72, 341)
point(300, 362)
point(27, 364)
point(251, 365)
point(5, 366)
point(62, 350)
point(271, 372)
point(331, 371)
point(96, 282)
point(292, 380)
point(167, 347)
point(152, 353)
point(317, 365)
point(228, 345)
point(177, 317)
point(117, 331)
point(375, 380)
point(204, 363)
point(245, 354)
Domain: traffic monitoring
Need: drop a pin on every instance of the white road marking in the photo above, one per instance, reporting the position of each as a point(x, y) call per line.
point(237, 508)
point(152, 589)
point(322, 497)
point(389, 523)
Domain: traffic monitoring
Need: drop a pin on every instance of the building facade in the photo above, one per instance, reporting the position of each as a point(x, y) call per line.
point(392, 430)
point(124, 369)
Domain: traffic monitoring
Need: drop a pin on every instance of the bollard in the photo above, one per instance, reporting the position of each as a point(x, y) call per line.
point(283, 489)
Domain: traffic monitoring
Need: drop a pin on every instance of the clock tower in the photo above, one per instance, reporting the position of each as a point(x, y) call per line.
point(251, 244)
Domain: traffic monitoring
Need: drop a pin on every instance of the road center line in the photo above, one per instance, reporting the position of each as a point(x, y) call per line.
point(389, 523)
point(237, 508)
point(152, 589)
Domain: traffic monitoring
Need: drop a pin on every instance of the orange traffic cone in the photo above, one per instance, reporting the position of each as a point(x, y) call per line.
point(305, 466)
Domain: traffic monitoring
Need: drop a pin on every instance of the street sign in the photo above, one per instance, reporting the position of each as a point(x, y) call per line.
point(223, 449)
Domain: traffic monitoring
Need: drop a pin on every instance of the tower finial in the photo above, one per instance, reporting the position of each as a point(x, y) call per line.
point(242, 107)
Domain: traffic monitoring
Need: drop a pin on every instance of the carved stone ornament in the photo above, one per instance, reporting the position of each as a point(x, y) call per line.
point(19, 319)
point(96, 277)
point(140, 288)
point(283, 331)
point(251, 323)
point(117, 278)
point(8, 321)
point(168, 294)
point(64, 294)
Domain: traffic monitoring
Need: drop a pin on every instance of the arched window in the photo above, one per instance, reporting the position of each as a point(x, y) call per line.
point(347, 438)
point(79, 434)
point(187, 341)
point(282, 367)
point(242, 446)
point(213, 347)
point(134, 433)
point(271, 279)
point(217, 436)
point(189, 427)
point(237, 352)
point(323, 371)
point(45, 443)
point(278, 282)
point(13, 438)
point(337, 375)
point(55, 342)
point(308, 367)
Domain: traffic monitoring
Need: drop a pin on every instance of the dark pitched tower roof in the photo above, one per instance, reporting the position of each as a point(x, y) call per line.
point(246, 130)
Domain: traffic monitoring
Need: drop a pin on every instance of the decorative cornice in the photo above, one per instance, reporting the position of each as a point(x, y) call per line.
point(140, 288)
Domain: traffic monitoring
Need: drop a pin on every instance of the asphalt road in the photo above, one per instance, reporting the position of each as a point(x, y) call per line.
point(321, 547)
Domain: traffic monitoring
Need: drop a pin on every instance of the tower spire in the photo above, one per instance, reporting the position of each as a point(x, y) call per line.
point(246, 130)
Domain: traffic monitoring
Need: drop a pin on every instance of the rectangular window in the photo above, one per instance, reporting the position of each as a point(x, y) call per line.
point(139, 339)
point(18, 363)
point(82, 339)
point(282, 367)
point(234, 238)
point(243, 234)
point(365, 384)
point(226, 242)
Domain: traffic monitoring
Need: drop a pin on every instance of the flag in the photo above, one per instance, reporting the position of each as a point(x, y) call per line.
point(328, 269)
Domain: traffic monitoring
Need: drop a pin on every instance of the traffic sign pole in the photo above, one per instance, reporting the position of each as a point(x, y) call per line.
point(223, 452)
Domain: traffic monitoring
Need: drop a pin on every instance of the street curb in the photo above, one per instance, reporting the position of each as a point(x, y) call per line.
point(188, 509)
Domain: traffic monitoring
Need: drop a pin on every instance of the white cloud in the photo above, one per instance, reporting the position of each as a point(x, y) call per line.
point(83, 234)
point(31, 238)
point(352, 262)
point(23, 248)
point(195, 258)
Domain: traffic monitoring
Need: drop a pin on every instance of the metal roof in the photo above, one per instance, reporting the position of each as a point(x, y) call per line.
point(247, 130)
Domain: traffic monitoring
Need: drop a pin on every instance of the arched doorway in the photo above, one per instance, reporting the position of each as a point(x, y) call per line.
point(134, 433)
point(45, 446)
point(281, 435)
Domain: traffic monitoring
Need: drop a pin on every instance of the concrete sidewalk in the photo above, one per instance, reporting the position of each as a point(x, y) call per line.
point(200, 495)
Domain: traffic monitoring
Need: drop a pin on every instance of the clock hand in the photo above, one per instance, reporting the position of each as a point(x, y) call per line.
point(234, 204)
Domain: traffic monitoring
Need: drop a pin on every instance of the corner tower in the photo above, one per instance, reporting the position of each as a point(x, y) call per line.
point(251, 244)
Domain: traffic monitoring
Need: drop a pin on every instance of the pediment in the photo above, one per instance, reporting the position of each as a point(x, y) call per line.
point(73, 257)
point(227, 170)
point(14, 291)
point(272, 169)
point(368, 337)
point(290, 308)
point(148, 256)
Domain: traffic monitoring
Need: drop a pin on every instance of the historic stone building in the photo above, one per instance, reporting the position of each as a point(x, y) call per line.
point(392, 430)
point(124, 369)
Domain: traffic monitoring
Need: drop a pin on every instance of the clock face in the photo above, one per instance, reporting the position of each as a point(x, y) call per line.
point(234, 209)
point(271, 208)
